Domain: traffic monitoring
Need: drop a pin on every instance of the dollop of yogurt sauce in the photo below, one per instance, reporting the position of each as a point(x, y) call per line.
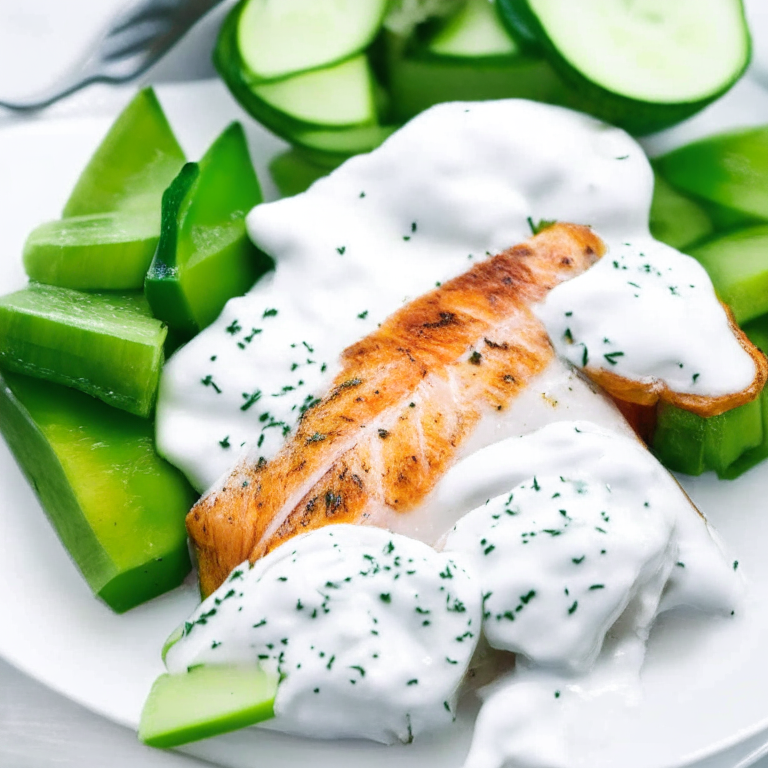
point(369, 632)
point(460, 182)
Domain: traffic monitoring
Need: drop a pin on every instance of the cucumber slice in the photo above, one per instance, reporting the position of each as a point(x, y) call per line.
point(643, 65)
point(757, 331)
point(133, 165)
point(204, 702)
point(339, 95)
point(474, 32)
point(204, 256)
point(107, 345)
point(103, 251)
point(117, 507)
point(278, 38)
point(729, 171)
point(737, 263)
point(675, 219)
point(685, 442)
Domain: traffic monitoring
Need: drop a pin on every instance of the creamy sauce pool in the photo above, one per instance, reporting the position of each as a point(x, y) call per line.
point(565, 545)
point(458, 183)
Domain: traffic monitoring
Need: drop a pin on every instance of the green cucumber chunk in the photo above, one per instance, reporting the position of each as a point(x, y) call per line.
point(104, 344)
point(340, 95)
point(204, 256)
point(642, 65)
point(102, 251)
point(419, 82)
point(685, 442)
point(675, 219)
point(737, 263)
point(117, 507)
point(729, 171)
point(132, 166)
point(475, 31)
point(204, 702)
point(757, 331)
point(292, 173)
point(278, 39)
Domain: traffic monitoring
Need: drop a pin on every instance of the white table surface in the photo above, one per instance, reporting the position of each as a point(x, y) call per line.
point(38, 39)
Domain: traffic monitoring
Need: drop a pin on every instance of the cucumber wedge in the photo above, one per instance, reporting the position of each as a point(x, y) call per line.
point(475, 31)
point(737, 263)
point(204, 256)
point(103, 251)
point(279, 38)
point(117, 507)
point(685, 442)
point(642, 65)
point(675, 219)
point(133, 165)
point(104, 344)
point(729, 171)
point(340, 95)
point(204, 702)
point(757, 331)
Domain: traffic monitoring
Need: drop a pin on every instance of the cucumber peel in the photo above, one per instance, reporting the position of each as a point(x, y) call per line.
point(643, 66)
point(204, 256)
point(102, 251)
point(117, 507)
point(205, 701)
point(104, 344)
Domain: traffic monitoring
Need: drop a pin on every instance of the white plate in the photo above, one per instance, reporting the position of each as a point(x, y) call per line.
point(704, 682)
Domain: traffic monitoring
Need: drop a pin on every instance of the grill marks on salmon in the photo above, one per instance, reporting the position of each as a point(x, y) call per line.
point(407, 397)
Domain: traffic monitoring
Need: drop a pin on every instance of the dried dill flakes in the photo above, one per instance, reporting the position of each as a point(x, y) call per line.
point(225, 442)
point(475, 358)
point(316, 438)
point(234, 327)
point(209, 382)
point(362, 315)
point(611, 357)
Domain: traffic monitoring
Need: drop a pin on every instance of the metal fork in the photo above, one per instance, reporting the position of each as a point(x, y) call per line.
point(134, 41)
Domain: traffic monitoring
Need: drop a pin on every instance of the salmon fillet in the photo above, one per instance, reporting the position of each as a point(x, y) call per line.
point(406, 399)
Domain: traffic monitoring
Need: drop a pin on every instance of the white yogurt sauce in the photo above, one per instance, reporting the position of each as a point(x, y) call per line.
point(631, 314)
point(371, 633)
point(581, 539)
point(458, 183)
point(575, 562)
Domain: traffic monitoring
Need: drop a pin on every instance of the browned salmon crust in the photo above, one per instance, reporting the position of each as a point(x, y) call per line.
point(407, 397)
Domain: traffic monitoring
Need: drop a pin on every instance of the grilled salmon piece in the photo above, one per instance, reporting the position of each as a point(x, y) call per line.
point(406, 399)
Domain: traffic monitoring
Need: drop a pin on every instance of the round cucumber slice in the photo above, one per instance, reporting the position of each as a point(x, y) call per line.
point(643, 65)
point(339, 95)
point(278, 38)
point(328, 143)
point(474, 32)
